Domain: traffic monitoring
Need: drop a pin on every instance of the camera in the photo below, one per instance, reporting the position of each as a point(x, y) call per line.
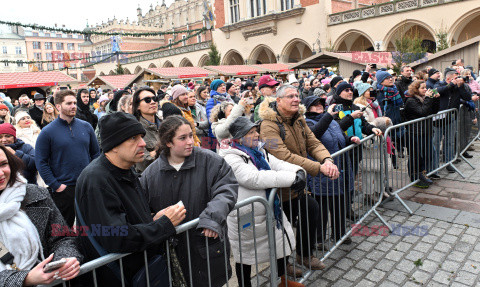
point(454, 63)
point(338, 108)
point(465, 79)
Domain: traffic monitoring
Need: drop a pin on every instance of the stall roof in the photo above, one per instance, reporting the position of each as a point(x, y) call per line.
point(114, 82)
point(275, 68)
point(236, 70)
point(34, 79)
point(319, 59)
point(181, 72)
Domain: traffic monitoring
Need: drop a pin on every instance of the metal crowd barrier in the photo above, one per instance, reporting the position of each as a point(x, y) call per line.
point(327, 216)
point(468, 131)
point(425, 146)
point(246, 221)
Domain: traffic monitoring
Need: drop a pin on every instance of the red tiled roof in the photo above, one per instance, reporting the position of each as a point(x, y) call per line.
point(275, 68)
point(236, 70)
point(33, 79)
point(115, 81)
point(181, 72)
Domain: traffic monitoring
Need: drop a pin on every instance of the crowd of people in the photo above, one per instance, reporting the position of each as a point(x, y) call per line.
point(149, 160)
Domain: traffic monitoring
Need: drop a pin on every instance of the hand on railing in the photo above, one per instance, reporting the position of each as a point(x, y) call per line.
point(37, 276)
point(329, 169)
point(176, 214)
point(209, 233)
point(377, 132)
point(355, 140)
point(300, 182)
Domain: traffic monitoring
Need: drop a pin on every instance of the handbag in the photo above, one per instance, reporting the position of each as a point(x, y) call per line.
point(157, 266)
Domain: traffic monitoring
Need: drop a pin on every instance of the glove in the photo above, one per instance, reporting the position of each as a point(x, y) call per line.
point(471, 106)
point(300, 182)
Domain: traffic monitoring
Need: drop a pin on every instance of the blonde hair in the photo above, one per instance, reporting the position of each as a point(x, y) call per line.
point(48, 117)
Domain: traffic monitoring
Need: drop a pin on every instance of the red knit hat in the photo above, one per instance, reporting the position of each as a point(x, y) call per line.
point(8, 129)
point(3, 107)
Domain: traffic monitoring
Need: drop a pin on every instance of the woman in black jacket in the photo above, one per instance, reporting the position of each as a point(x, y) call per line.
point(419, 103)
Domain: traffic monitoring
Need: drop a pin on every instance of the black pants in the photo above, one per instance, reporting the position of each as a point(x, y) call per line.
point(335, 205)
point(420, 150)
point(247, 272)
point(306, 209)
point(65, 202)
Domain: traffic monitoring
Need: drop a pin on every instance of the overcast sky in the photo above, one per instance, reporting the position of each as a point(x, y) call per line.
point(73, 15)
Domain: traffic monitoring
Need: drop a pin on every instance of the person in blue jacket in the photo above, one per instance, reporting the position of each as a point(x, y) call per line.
point(330, 194)
point(8, 137)
point(218, 94)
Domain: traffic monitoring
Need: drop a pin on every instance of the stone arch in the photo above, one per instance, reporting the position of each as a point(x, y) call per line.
point(203, 60)
point(152, 65)
point(127, 71)
point(167, 64)
point(466, 27)
point(111, 73)
point(262, 54)
point(295, 51)
point(354, 40)
point(185, 62)
point(137, 70)
point(410, 27)
point(233, 57)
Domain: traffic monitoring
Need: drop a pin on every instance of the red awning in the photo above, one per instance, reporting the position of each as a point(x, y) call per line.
point(236, 70)
point(275, 68)
point(33, 79)
point(181, 72)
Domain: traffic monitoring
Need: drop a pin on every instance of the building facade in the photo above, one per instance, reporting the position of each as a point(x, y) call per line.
point(12, 49)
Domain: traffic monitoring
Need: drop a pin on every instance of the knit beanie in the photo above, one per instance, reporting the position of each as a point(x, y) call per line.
point(3, 107)
point(432, 72)
point(341, 87)
point(116, 128)
point(169, 109)
point(215, 84)
point(229, 85)
point(335, 81)
point(19, 115)
point(8, 129)
point(356, 73)
point(319, 92)
point(362, 87)
point(381, 76)
point(177, 91)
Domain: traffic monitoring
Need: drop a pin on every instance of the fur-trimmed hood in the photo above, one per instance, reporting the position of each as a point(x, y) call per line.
point(268, 110)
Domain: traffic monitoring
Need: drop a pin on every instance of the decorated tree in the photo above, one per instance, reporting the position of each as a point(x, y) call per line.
point(119, 70)
point(213, 56)
point(409, 49)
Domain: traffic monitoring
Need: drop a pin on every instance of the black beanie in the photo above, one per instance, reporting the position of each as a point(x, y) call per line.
point(169, 109)
point(342, 86)
point(228, 86)
point(335, 81)
point(356, 73)
point(116, 128)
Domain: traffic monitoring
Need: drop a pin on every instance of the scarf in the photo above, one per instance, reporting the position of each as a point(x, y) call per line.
point(17, 232)
point(375, 108)
point(259, 161)
point(391, 94)
point(220, 97)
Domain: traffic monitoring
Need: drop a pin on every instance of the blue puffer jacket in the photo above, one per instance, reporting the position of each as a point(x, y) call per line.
point(334, 139)
point(27, 154)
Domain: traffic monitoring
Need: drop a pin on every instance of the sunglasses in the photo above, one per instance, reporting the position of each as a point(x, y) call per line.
point(148, 100)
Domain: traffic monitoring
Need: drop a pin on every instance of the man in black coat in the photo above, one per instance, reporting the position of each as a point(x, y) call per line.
point(36, 112)
point(404, 80)
point(433, 78)
point(109, 195)
point(83, 108)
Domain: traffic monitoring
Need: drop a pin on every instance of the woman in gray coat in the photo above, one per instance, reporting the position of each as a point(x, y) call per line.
point(27, 216)
point(206, 185)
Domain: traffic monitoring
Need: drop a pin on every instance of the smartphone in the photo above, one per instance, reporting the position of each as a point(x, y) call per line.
point(338, 108)
point(373, 66)
point(434, 91)
point(52, 266)
point(250, 100)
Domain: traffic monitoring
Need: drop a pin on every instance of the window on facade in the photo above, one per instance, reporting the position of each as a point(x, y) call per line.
point(19, 63)
point(5, 51)
point(39, 67)
point(48, 56)
point(184, 42)
point(48, 45)
point(234, 11)
point(37, 56)
point(71, 46)
point(5, 64)
point(199, 38)
point(18, 50)
point(50, 66)
point(59, 46)
point(70, 36)
point(286, 4)
point(47, 34)
point(58, 35)
point(170, 41)
point(36, 45)
point(61, 65)
point(258, 8)
point(35, 34)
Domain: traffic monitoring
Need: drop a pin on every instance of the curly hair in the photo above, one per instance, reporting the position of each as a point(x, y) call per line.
point(218, 112)
point(414, 87)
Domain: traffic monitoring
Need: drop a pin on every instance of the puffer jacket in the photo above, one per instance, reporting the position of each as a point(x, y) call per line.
point(334, 139)
point(151, 138)
point(220, 126)
point(253, 182)
point(298, 143)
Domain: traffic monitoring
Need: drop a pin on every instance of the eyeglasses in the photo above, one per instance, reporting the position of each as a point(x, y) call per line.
point(291, 97)
point(148, 100)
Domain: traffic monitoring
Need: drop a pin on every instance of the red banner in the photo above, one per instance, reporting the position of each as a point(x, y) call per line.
point(193, 76)
point(247, 73)
point(29, 85)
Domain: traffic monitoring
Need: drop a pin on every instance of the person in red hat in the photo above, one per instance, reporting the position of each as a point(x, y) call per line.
point(5, 114)
point(268, 88)
point(8, 137)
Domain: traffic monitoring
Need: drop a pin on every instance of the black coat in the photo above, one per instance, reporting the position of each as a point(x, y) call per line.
point(414, 109)
point(402, 84)
point(27, 153)
point(44, 214)
point(431, 83)
point(36, 114)
point(113, 197)
point(84, 113)
point(451, 96)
